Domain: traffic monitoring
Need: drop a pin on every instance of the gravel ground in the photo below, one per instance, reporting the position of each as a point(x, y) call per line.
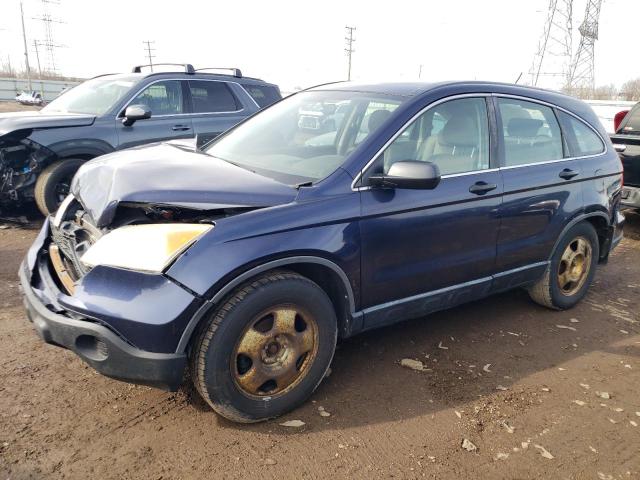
point(529, 392)
point(15, 107)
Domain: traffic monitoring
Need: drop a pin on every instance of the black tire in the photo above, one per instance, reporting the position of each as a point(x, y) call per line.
point(52, 183)
point(214, 357)
point(547, 291)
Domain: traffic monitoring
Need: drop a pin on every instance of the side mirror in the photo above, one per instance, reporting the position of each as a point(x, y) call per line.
point(134, 113)
point(408, 174)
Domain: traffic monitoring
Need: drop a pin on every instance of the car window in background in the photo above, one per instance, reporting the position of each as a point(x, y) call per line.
point(210, 97)
point(587, 142)
point(162, 98)
point(264, 95)
point(306, 136)
point(454, 135)
point(93, 97)
point(530, 131)
point(632, 122)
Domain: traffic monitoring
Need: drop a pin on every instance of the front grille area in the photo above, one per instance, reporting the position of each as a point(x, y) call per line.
point(69, 241)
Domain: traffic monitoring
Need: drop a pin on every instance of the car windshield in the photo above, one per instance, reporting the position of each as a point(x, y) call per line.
point(304, 137)
point(93, 97)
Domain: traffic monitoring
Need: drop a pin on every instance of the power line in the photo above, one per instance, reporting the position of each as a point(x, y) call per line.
point(149, 49)
point(349, 49)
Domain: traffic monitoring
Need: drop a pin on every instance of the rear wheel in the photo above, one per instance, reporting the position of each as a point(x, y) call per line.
point(570, 271)
point(266, 349)
point(53, 184)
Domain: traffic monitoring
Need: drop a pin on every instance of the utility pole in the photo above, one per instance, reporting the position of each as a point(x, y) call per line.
point(35, 45)
point(349, 49)
point(582, 75)
point(26, 52)
point(149, 50)
point(553, 57)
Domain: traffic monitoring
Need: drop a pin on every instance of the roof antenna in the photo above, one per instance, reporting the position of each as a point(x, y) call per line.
point(518, 79)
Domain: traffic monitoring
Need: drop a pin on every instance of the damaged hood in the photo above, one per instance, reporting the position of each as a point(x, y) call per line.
point(170, 175)
point(25, 122)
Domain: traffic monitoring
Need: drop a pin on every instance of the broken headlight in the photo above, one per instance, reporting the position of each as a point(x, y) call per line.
point(148, 248)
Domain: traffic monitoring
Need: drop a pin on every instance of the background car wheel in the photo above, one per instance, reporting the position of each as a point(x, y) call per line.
point(53, 184)
point(570, 271)
point(266, 349)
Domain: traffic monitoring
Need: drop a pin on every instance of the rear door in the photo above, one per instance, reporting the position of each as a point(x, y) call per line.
point(423, 250)
point(215, 107)
point(542, 189)
point(169, 115)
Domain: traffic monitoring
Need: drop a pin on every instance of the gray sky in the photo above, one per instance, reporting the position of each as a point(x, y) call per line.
point(301, 43)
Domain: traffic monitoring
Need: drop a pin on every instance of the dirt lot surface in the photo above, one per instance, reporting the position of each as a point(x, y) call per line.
point(15, 107)
point(539, 394)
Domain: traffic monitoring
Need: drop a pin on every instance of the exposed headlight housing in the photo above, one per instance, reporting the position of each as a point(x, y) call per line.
point(147, 248)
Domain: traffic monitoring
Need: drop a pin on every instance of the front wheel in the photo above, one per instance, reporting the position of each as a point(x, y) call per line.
point(53, 184)
point(266, 349)
point(570, 270)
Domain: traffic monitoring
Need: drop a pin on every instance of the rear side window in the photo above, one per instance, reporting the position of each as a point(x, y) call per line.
point(632, 124)
point(530, 132)
point(264, 95)
point(582, 139)
point(211, 97)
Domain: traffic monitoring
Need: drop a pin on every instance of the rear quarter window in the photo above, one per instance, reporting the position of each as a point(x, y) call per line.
point(264, 95)
point(211, 97)
point(581, 138)
point(632, 122)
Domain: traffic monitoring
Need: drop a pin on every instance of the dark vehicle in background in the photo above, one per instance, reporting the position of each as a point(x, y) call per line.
point(265, 248)
point(626, 141)
point(41, 151)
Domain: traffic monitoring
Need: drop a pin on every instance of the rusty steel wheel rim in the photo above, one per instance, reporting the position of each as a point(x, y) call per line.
point(574, 267)
point(275, 351)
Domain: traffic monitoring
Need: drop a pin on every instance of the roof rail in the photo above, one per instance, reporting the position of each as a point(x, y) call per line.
point(188, 68)
point(234, 71)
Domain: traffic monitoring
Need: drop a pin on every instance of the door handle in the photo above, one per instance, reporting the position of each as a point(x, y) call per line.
point(180, 128)
point(567, 174)
point(480, 188)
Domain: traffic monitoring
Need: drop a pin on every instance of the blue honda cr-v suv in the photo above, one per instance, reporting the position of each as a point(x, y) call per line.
point(248, 260)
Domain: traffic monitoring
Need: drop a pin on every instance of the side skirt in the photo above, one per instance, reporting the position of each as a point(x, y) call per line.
point(425, 303)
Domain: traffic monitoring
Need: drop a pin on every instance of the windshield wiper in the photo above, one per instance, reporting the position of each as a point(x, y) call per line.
point(303, 184)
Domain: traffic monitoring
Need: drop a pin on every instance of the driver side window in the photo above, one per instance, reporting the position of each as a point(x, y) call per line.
point(162, 98)
point(454, 135)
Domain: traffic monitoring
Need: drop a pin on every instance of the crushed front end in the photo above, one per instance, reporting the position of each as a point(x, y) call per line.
point(21, 159)
point(124, 323)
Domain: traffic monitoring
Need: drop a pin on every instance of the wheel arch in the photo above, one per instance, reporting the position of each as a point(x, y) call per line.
point(327, 274)
point(600, 222)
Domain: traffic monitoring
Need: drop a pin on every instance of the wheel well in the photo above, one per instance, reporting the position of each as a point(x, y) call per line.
point(604, 232)
point(333, 286)
point(81, 156)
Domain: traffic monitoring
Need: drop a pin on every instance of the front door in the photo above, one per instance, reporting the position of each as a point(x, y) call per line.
point(423, 250)
point(169, 118)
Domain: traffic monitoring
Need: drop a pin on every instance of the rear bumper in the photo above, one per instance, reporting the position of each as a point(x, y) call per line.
point(100, 347)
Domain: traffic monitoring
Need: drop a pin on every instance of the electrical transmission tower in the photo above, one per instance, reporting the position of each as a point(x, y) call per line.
point(349, 48)
point(553, 57)
point(150, 49)
point(582, 69)
point(48, 43)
